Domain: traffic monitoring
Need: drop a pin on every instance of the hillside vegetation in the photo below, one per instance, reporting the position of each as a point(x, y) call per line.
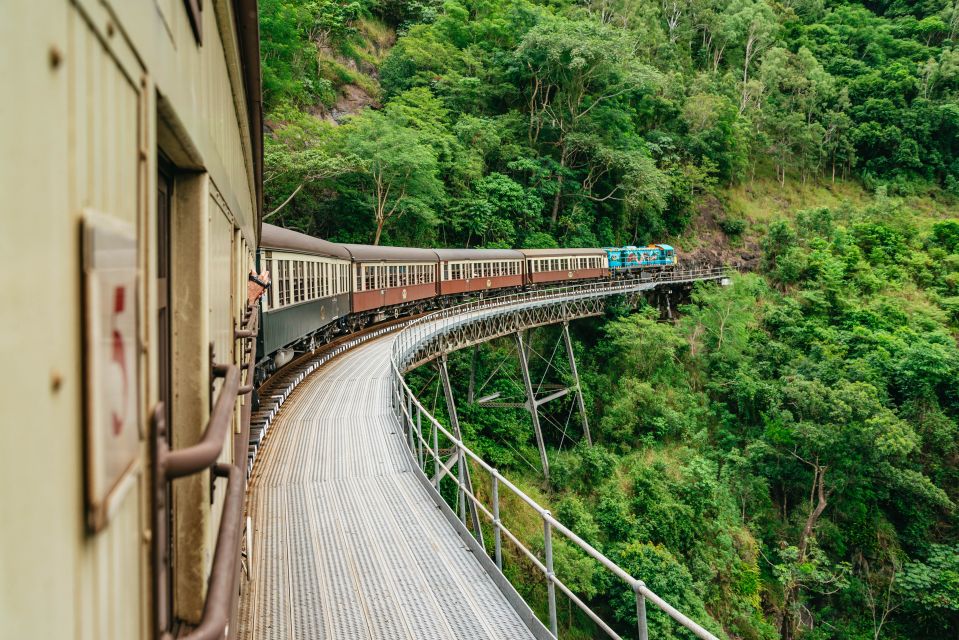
point(782, 459)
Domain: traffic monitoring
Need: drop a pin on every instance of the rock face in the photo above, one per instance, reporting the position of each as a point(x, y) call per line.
point(714, 247)
point(352, 98)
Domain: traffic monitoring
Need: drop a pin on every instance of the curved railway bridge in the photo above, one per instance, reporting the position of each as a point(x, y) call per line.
point(350, 535)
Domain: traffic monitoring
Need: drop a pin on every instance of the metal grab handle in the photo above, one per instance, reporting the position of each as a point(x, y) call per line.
point(251, 331)
point(223, 576)
point(203, 454)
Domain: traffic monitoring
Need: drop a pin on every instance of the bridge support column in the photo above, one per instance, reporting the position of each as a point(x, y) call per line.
point(471, 391)
point(466, 504)
point(531, 404)
point(579, 389)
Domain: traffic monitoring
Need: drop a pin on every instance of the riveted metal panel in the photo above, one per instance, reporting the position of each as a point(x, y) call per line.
point(288, 324)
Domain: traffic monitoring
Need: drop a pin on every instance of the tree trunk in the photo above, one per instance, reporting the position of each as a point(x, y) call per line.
point(379, 232)
point(790, 625)
point(559, 191)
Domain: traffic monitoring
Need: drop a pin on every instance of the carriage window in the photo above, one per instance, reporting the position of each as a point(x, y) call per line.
point(392, 280)
point(296, 280)
point(288, 274)
point(301, 273)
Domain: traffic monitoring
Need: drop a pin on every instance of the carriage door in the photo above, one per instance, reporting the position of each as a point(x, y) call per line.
point(162, 513)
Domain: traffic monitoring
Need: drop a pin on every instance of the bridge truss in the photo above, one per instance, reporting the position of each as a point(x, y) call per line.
point(433, 337)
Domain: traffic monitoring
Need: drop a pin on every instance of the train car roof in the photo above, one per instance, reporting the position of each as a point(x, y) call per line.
point(274, 237)
point(375, 253)
point(664, 246)
point(478, 254)
point(542, 253)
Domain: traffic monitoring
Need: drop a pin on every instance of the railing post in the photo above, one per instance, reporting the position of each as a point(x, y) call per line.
point(408, 419)
point(550, 585)
point(436, 457)
point(497, 534)
point(419, 436)
point(642, 628)
point(461, 468)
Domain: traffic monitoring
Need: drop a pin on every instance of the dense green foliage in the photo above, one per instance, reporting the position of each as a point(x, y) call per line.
point(603, 120)
point(782, 460)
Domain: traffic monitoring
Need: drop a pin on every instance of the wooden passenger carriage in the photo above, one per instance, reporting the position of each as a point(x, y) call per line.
point(390, 276)
point(557, 265)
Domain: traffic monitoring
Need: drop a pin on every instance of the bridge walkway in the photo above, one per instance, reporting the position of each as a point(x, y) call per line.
point(347, 541)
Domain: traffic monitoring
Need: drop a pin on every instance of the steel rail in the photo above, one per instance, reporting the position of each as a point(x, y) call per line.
point(432, 327)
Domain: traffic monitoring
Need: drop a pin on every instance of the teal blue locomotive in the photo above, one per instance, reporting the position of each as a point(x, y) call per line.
point(652, 257)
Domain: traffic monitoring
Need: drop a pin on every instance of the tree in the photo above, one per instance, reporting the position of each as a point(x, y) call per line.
point(300, 155)
point(397, 169)
point(751, 25)
point(573, 69)
point(931, 588)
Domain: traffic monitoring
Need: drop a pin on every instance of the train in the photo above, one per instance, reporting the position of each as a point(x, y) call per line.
point(322, 289)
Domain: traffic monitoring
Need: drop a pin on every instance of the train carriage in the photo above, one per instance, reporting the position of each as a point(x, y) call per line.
point(557, 265)
point(131, 177)
point(311, 287)
point(472, 270)
point(391, 277)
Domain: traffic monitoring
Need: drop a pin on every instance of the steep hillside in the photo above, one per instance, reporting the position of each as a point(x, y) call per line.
point(781, 460)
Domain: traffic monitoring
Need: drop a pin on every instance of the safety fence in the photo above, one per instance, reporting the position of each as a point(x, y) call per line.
point(436, 333)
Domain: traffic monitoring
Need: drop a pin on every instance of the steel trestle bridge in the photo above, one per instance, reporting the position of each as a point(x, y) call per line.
point(351, 537)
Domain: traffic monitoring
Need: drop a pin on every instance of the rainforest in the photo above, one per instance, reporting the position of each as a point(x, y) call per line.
point(779, 458)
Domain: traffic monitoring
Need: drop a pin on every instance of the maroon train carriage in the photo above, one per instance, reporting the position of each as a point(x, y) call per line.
point(391, 276)
point(472, 270)
point(555, 265)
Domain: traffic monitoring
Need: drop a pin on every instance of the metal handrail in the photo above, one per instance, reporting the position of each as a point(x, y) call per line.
point(603, 288)
point(202, 455)
point(223, 577)
point(224, 572)
point(425, 328)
